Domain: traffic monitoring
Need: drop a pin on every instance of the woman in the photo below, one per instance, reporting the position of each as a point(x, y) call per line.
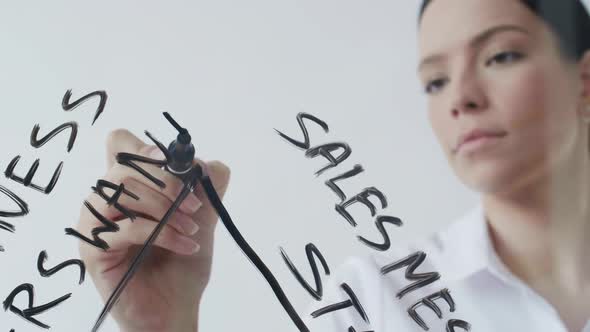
point(509, 102)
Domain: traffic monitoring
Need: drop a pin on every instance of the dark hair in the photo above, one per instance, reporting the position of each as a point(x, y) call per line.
point(568, 19)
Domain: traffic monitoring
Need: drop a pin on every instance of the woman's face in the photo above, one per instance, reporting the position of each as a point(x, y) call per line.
point(511, 79)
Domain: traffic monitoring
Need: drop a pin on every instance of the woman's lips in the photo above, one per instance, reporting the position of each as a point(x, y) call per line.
point(478, 142)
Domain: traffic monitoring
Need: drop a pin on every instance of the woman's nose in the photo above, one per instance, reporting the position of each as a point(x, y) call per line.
point(467, 94)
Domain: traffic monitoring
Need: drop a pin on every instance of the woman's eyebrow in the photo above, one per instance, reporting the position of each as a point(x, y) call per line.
point(477, 40)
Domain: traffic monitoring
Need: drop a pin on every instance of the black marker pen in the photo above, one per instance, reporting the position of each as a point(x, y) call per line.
point(182, 151)
point(179, 161)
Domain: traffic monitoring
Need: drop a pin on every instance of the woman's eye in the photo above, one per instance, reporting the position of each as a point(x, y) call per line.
point(502, 57)
point(431, 84)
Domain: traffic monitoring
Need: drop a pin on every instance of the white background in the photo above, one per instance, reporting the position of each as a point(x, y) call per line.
point(230, 71)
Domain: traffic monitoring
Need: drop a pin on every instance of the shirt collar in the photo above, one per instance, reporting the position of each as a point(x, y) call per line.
point(468, 247)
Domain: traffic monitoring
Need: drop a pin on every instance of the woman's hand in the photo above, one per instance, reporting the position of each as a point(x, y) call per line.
point(165, 291)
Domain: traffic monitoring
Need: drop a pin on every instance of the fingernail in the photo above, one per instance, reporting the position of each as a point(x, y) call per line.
point(188, 225)
point(196, 248)
point(157, 154)
point(188, 245)
point(192, 203)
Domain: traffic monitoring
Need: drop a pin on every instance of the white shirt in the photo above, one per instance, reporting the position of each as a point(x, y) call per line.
point(485, 293)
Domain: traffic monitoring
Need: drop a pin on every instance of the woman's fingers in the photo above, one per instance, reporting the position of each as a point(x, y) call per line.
point(173, 185)
point(138, 231)
point(150, 205)
point(123, 141)
point(154, 201)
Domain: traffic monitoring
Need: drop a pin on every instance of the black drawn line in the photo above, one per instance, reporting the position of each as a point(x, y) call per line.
point(251, 254)
point(325, 150)
point(6, 226)
point(36, 143)
point(310, 250)
point(351, 302)
point(67, 106)
point(386, 240)
point(114, 199)
point(413, 261)
point(331, 308)
point(452, 323)
point(24, 209)
point(31, 311)
point(305, 144)
point(162, 148)
point(332, 185)
point(362, 197)
point(351, 329)
point(186, 190)
point(22, 205)
point(190, 180)
point(109, 226)
point(127, 159)
point(429, 302)
point(27, 180)
point(47, 273)
point(355, 302)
